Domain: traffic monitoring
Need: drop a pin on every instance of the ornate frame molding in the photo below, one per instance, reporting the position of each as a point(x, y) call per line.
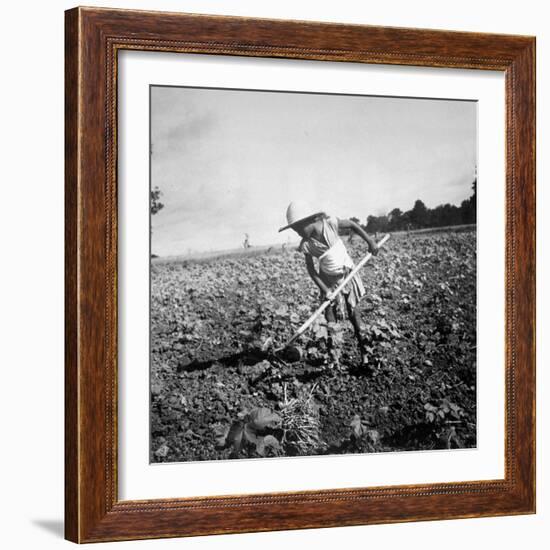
point(93, 38)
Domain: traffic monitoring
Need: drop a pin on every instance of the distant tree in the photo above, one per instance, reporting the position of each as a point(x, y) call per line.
point(469, 206)
point(394, 219)
point(406, 220)
point(437, 216)
point(448, 215)
point(375, 224)
point(372, 224)
point(419, 214)
point(156, 205)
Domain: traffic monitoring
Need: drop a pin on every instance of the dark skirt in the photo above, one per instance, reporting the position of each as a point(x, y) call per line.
point(348, 298)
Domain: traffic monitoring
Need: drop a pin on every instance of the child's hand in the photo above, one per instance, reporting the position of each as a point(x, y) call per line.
point(325, 294)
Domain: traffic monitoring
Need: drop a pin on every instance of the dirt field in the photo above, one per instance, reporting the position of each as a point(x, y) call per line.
point(217, 390)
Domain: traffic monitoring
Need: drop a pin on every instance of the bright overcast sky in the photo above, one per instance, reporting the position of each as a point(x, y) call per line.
point(228, 162)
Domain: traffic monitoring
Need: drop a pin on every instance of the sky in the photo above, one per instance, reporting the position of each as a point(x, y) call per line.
point(228, 162)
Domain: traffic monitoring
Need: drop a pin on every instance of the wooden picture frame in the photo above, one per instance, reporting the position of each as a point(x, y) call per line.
point(93, 511)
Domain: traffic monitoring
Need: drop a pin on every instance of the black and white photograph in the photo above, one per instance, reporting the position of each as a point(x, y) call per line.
point(312, 274)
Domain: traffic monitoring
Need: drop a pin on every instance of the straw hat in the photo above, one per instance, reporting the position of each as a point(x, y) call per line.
point(298, 212)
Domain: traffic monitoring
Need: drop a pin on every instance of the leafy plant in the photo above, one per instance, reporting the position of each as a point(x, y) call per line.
point(443, 411)
point(363, 437)
point(380, 337)
point(253, 433)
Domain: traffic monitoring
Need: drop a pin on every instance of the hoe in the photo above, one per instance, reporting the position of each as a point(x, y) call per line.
point(329, 298)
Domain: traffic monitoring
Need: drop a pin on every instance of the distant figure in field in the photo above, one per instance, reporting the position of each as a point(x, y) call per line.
point(246, 243)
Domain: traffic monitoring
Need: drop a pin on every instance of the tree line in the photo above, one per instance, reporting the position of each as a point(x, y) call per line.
point(419, 216)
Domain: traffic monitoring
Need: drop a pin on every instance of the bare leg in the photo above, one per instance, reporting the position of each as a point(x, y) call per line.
point(330, 315)
point(355, 317)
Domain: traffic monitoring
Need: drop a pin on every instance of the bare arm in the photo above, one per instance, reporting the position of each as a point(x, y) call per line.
point(314, 275)
point(356, 228)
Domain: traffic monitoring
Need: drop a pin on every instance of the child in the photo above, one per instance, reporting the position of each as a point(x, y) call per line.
point(321, 240)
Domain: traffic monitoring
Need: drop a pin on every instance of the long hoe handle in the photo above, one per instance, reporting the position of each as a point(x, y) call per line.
point(333, 294)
